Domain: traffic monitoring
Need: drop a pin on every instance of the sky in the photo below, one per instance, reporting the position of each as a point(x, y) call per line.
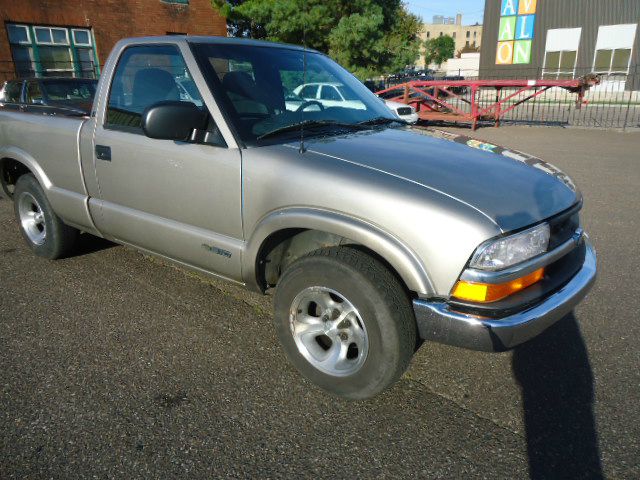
point(471, 10)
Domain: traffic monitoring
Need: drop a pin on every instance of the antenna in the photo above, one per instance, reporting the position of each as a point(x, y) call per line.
point(304, 69)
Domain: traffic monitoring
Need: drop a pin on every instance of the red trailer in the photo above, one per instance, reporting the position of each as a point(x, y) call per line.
point(432, 98)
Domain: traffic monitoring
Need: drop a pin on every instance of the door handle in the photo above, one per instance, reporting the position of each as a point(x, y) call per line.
point(103, 153)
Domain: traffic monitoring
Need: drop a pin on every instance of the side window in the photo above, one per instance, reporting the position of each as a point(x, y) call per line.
point(309, 91)
point(329, 92)
point(34, 94)
point(146, 75)
point(11, 92)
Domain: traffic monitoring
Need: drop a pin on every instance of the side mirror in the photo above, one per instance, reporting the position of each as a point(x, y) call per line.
point(172, 120)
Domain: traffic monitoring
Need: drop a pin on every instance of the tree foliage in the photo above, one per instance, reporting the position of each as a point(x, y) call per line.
point(467, 49)
point(438, 50)
point(368, 37)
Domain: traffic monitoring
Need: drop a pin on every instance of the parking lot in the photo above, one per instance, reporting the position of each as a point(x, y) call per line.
point(115, 365)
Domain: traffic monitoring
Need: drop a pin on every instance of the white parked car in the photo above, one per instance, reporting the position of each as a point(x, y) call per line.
point(337, 95)
point(329, 95)
point(404, 111)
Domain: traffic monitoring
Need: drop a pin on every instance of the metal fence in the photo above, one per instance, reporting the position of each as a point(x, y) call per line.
point(613, 104)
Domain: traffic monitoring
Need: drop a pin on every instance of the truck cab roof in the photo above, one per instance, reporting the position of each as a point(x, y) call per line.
point(213, 40)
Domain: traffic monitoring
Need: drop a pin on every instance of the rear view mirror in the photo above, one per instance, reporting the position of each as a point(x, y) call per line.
point(172, 120)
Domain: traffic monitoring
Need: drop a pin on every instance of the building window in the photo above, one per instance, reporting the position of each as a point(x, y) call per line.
point(21, 49)
point(613, 49)
point(612, 61)
point(561, 53)
point(428, 34)
point(467, 43)
point(468, 33)
point(475, 34)
point(440, 33)
point(560, 64)
point(82, 38)
point(454, 34)
point(44, 51)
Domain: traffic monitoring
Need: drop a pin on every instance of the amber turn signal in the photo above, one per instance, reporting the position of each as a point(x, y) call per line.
point(487, 292)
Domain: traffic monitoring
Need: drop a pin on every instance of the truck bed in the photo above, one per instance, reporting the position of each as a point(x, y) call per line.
point(54, 141)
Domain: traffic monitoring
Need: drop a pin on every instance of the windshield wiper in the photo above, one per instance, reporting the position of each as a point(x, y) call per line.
point(382, 121)
point(310, 124)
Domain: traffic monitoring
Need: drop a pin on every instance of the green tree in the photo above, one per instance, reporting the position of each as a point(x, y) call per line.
point(237, 25)
point(368, 37)
point(439, 49)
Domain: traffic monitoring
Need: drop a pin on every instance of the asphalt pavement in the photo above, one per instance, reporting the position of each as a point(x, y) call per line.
point(115, 365)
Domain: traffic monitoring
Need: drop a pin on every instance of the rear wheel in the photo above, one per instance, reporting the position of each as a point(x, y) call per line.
point(45, 233)
point(345, 322)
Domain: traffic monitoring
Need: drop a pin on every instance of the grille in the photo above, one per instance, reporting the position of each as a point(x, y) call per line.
point(563, 227)
point(404, 111)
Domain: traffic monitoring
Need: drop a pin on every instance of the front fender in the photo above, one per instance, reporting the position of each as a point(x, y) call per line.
point(393, 250)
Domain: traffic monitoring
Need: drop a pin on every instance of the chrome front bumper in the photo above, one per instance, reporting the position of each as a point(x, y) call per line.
point(437, 322)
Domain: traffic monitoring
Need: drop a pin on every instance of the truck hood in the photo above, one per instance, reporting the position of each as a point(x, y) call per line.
point(511, 188)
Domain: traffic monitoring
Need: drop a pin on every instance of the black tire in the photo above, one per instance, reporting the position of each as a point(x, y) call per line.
point(383, 306)
point(59, 238)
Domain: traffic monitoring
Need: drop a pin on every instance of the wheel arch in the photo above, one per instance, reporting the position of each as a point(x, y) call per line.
point(19, 161)
point(299, 230)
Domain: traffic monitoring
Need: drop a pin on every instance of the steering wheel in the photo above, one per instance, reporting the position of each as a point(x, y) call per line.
point(308, 103)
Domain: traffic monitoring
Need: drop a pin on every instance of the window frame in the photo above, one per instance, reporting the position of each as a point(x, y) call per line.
point(26, 92)
point(26, 29)
point(610, 70)
point(621, 31)
point(20, 85)
point(559, 71)
point(80, 44)
point(331, 88)
point(52, 42)
point(310, 85)
point(72, 63)
point(138, 130)
point(36, 46)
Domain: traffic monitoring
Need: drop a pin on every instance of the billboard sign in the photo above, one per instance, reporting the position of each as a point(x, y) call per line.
point(515, 31)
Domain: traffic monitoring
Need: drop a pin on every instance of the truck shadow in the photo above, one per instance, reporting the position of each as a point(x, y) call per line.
point(88, 244)
point(556, 380)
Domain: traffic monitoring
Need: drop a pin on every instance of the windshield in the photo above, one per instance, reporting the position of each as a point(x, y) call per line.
point(267, 89)
point(78, 90)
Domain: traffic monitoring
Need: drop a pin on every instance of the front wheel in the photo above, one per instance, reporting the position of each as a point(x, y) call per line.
point(345, 322)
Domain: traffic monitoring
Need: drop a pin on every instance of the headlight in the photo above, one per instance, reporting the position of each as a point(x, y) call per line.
point(503, 252)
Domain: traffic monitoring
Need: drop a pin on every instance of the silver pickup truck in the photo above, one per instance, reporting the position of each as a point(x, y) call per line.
point(373, 235)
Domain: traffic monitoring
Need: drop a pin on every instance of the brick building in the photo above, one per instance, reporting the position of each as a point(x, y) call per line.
point(463, 35)
point(74, 37)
